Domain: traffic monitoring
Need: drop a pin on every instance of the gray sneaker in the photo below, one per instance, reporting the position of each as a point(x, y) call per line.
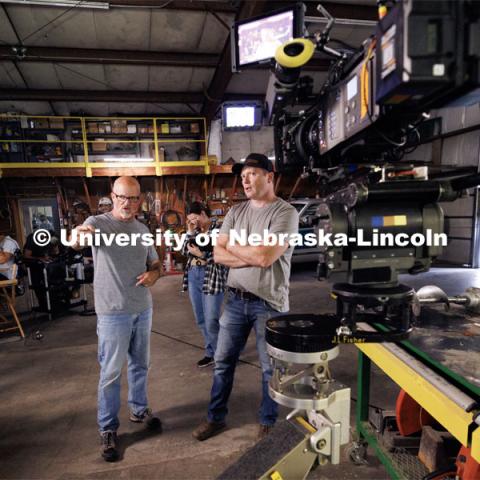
point(109, 446)
point(148, 419)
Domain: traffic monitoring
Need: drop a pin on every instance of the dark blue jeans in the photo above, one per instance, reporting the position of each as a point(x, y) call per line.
point(206, 309)
point(236, 322)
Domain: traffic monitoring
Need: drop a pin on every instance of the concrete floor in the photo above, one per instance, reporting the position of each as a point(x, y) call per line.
point(48, 398)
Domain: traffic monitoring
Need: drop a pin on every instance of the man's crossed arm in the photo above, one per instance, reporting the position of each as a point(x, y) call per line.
point(239, 256)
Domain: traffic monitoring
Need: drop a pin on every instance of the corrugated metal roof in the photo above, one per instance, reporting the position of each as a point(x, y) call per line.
point(139, 29)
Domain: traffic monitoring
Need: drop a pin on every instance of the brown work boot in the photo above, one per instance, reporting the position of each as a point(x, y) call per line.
point(263, 431)
point(208, 429)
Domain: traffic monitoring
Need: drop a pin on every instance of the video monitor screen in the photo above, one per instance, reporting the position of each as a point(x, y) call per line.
point(256, 40)
point(241, 116)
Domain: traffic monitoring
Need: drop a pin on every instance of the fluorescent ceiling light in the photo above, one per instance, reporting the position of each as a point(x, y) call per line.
point(127, 159)
point(61, 3)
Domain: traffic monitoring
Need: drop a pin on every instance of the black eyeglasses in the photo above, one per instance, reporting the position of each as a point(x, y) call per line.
point(123, 198)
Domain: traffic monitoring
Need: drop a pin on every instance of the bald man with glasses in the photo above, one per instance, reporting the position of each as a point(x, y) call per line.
point(124, 312)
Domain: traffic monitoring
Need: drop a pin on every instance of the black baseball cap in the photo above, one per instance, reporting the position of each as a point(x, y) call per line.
point(257, 160)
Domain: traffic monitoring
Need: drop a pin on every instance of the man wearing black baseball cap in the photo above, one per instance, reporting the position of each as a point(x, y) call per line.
point(258, 284)
point(256, 160)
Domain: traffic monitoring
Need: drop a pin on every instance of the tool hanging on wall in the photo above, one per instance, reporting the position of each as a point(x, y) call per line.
point(167, 194)
point(185, 183)
point(87, 195)
point(62, 203)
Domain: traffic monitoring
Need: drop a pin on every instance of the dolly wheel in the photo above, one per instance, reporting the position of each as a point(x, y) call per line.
point(357, 453)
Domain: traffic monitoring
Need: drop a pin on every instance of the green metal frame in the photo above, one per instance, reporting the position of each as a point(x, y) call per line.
point(362, 423)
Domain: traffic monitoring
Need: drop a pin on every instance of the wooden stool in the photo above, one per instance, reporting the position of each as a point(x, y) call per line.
point(7, 297)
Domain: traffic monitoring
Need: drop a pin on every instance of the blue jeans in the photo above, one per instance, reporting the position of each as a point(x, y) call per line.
point(122, 336)
point(206, 309)
point(236, 323)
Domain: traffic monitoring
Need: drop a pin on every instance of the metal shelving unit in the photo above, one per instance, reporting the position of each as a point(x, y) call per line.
point(37, 142)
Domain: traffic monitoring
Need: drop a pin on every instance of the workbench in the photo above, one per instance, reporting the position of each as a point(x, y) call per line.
point(439, 367)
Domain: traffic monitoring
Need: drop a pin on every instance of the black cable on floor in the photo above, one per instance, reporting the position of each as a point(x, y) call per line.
point(197, 346)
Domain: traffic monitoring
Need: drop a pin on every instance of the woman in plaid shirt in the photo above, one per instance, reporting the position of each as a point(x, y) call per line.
point(204, 279)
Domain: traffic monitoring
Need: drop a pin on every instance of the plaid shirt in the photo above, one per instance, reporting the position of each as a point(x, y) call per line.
point(215, 281)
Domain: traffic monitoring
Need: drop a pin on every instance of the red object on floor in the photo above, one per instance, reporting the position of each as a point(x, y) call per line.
point(411, 417)
point(467, 467)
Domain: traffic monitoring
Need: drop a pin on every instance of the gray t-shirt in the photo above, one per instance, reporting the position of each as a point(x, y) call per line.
point(117, 268)
point(271, 283)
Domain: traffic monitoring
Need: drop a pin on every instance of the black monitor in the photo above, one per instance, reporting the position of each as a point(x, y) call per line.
point(255, 40)
point(239, 116)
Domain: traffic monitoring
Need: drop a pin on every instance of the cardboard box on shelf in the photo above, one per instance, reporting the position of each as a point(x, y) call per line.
point(92, 127)
point(194, 127)
point(119, 126)
point(104, 127)
point(99, 145)
point(131, 128)
point(56, 123)
point(41, 123)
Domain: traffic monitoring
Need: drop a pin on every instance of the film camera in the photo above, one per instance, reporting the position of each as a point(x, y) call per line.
point(373, 108)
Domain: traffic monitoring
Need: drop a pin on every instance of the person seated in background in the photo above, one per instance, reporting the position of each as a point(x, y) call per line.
point(204, 279)
point(105, 205)
point(8, 247)
point(44, 223)
point(47, 257)
point(81, 211)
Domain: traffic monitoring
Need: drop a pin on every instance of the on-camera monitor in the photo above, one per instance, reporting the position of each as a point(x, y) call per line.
point(258, 40)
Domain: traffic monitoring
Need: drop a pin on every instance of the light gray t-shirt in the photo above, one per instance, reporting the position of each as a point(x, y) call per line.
point(117, 268)
point(8, 245)
point(271, 283)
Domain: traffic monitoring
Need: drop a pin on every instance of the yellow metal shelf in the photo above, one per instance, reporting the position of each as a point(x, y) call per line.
point(156, 139)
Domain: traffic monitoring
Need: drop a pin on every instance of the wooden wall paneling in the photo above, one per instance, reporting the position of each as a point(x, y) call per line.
point(295, 186)
point(277, 183)
point(17, 221)
point(185, 183)
point(205, 189)
point(87, 195)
